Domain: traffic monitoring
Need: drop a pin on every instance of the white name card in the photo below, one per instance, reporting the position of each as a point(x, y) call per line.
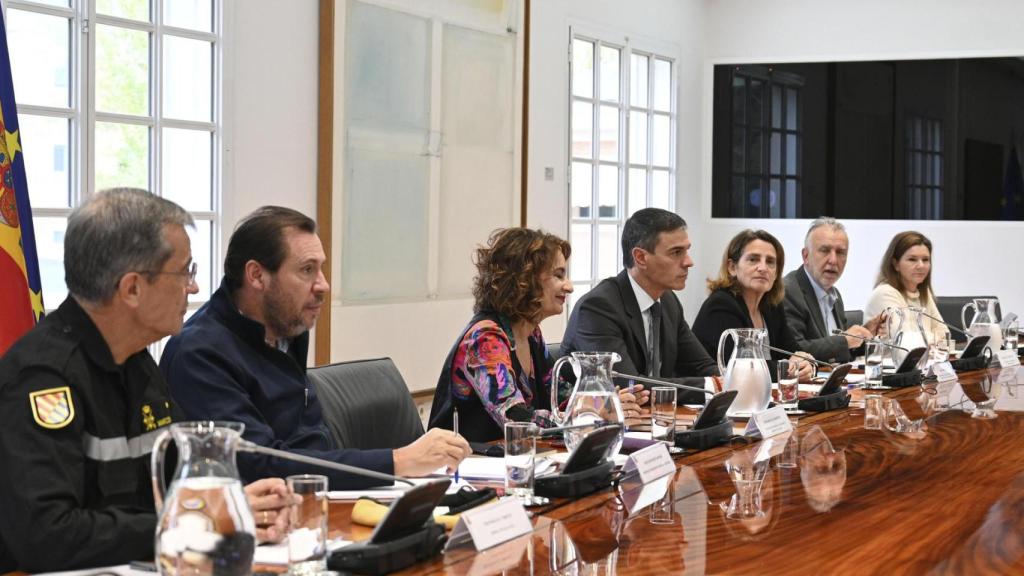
point(943, 371)
point(652, 463)
point(488, 526)
point(768, 423)
point(1007, 358)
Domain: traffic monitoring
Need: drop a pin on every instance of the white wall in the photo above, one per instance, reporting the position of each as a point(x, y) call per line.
point(673, 24)
point(969, 257)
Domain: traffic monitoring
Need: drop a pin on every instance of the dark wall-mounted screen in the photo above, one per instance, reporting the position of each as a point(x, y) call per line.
point(898, 139)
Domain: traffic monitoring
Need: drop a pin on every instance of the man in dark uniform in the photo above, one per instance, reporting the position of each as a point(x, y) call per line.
point(82, 400)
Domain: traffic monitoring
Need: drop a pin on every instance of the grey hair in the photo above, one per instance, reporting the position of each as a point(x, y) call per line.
point(117, 231)
point(818, 223)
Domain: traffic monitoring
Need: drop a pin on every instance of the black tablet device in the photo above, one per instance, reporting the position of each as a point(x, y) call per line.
point(911, 360)
point(593, 449)
point(835, 380)
point(714, 412)
point(975, 346)
point(410, 511)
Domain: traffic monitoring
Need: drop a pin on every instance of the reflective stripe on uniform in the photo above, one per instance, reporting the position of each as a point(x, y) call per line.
point(118, 448)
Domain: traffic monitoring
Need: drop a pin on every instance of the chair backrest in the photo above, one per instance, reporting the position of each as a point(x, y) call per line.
point(950, 307)
point(555, 350)
point(366, 404)
point(854, 317)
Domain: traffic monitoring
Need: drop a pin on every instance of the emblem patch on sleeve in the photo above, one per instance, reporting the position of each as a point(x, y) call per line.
point(52, 408)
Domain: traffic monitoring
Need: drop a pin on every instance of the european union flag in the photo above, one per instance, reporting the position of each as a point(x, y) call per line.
point(21, 293)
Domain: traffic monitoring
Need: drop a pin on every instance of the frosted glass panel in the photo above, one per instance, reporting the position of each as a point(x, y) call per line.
point(387, 68)
point(385, 226)
point(476, 167)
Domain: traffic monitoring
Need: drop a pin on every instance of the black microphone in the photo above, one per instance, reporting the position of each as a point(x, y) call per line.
point(658, 382)
point(555, 431)
point(247, 446)
point(802, 356)
point(941, 321)
point(870, 340)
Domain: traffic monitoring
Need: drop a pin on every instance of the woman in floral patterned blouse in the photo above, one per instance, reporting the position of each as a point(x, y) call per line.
point(499, 369)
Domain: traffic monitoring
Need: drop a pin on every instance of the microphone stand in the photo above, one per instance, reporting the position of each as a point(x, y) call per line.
point(801, 355)
point(592, 426)
point(658, 382)
point(247, 446)
point(869, 340)
point(941, 321)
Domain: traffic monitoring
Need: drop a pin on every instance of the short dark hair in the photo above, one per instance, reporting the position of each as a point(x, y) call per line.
point(117, 231)
point(642, 229)
point(733, 253)
point(509, 268)
point(897, 248)
point(260, 237)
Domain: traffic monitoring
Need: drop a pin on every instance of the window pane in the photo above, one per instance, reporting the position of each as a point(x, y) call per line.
point(609, 123)
point(638, 80)
point(582, 68)
point(609, 73)
point(791, 154)
point(637, 189)
point(755, 102)
point(607, 250)
point(131, 9)
point(44, 142)
point(578, 290)
point(776, 107)
point(739, 149)
point(122, 155)
point(661, 146)
point(582, 129)
point(662, 85)
point(39, 50)
point(791, 198)
point(194, 14)
point(775, 166)
point(638, 137)
point(50, 248)
point(754, 152)
point(660, 188)
point(582, 189)
point(122, 70)
point(579, 263)
point(188, 77)
point(187, 163)
point(739, 100)
point(202, 255)
point(774, 198)
point(607, 191)
point(62, 3)
point(792, 118)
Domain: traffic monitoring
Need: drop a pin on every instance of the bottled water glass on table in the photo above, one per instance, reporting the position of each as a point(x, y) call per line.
point(307, 539)
point(663, 414)
point(520, 453)
point(789, 387)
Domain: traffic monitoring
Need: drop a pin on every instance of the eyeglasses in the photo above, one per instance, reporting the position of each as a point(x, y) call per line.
point(190, 274)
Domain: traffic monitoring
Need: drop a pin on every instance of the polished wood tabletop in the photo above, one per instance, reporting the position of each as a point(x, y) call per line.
point(948, 499)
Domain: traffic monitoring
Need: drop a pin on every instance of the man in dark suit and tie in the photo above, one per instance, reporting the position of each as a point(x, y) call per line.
point(637, 314)
point(814, 307)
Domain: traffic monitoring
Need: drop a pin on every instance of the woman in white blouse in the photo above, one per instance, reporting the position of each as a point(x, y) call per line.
point(905, 279)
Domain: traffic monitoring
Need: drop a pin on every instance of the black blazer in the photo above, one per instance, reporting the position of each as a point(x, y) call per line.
point(608, 319)
point(804, 316)
point(724, 310)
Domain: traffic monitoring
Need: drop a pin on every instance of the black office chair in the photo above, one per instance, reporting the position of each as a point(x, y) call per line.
point(555, 350)
point(950, 307)
point(366, 404)
point(854, 317)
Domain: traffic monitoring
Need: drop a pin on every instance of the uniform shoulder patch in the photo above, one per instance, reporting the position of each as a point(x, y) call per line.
point(52, 408)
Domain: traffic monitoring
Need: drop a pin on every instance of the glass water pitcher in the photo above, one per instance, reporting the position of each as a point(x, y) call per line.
point(594, 399)
point(747, 370)
point(985, 322)
point(205, 525)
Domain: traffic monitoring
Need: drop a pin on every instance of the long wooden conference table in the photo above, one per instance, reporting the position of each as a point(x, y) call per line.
point(949, 500)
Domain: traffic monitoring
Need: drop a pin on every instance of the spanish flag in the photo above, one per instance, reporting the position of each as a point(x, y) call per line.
point(21, 294)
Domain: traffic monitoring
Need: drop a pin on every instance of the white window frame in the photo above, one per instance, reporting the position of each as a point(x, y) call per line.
point(628, 47)
point(83, 115)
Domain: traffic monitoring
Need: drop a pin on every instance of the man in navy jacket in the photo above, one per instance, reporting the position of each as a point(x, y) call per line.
point(242, 357)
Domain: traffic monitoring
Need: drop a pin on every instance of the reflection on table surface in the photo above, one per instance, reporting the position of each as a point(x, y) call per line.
point(947, 500)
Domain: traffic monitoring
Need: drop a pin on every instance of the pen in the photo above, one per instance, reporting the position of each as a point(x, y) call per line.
point(455, 430)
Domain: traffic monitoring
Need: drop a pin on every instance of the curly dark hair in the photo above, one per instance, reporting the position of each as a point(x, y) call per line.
point(509, 268)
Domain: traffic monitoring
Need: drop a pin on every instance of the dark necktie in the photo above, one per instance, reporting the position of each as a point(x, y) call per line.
point(654, 342)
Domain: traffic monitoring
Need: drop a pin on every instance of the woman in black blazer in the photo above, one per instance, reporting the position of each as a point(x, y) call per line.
point(748, 293)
